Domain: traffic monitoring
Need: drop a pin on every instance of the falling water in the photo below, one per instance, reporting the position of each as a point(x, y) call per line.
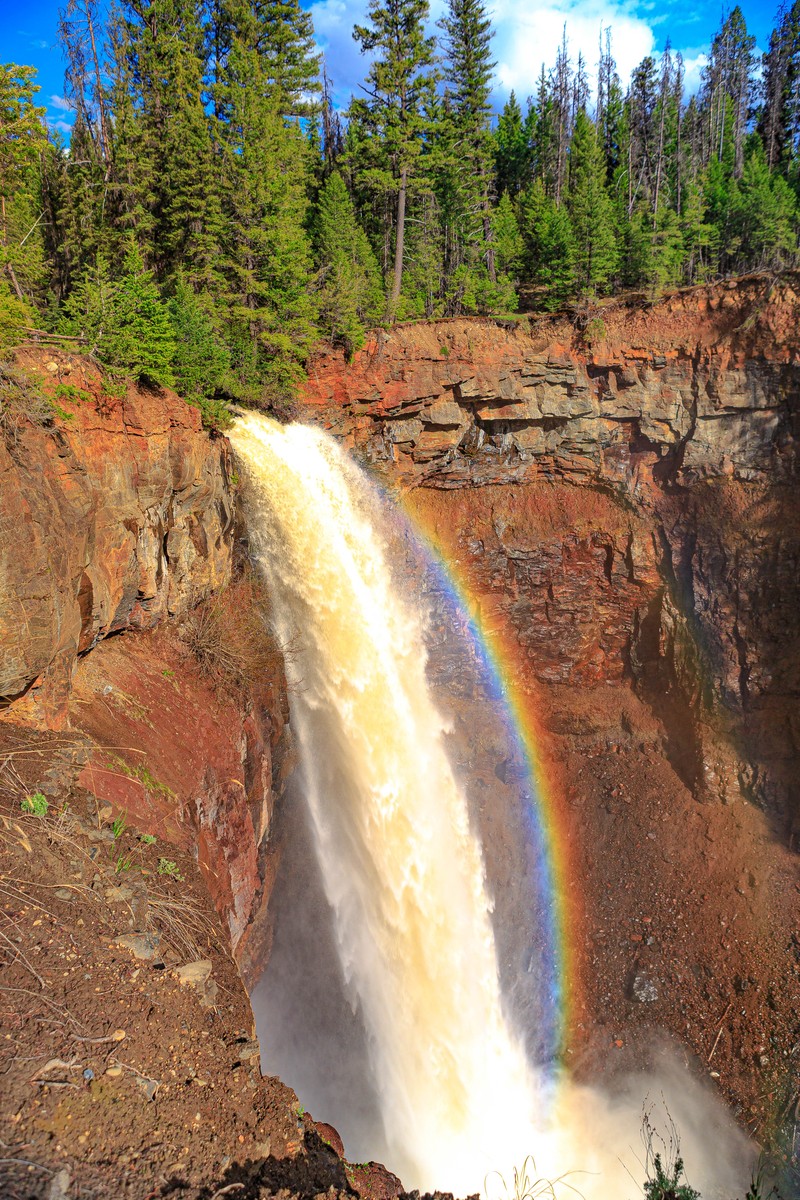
point(401, 869)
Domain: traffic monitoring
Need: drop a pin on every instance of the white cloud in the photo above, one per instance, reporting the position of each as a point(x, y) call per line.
point(693, 65)
point(61, 103)
point(527, 35)
point(61, 126)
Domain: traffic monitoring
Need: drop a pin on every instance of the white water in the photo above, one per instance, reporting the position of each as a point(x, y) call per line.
point(400, 867)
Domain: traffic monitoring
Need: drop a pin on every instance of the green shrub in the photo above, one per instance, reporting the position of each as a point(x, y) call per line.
point(595, 331)
point(214, 412)
point(665, 1182)
point(37, 803)
point(167, 867)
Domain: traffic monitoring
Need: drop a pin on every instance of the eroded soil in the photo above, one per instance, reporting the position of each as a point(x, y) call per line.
point(129, 1060)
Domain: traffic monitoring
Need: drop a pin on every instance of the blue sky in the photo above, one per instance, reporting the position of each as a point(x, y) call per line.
point(527, 34)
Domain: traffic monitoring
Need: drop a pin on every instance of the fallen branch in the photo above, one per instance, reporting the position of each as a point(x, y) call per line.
point(719, 1031)
point(58, 337)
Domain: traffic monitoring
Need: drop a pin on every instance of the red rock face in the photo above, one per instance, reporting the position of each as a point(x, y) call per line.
point(195, 767)
point(624, 515)
point(110, 519)
point(659, 445)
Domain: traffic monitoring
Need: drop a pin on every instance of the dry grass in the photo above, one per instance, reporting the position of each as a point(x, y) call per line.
point(231, 637)
point(22, 402)
point(184, 925)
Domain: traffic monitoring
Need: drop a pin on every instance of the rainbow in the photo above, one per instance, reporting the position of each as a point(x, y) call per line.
point(553, 906)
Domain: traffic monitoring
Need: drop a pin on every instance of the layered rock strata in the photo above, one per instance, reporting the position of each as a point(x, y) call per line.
point(678, 423)
point(117, 512)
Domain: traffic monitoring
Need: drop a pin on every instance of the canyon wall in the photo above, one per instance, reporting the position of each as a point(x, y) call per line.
point(617, 491)
point(117, 511)
point(113, 514)
point(662, 439)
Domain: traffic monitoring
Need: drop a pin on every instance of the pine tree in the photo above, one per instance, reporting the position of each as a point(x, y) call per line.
point(697, 234)
point(160, 63)
point(512, 153)
point(549, 247)
point(590, 209)
point(398, 79)
point(265, 76)
point(280, 34)
point(23, 141)
point(729, 87)
point(764, 215)
point(141, 338)
point(542, 137)
point(80, 35)
point(468, 67)
point(779, 118)
point(501, 294)
point(351, 297)
point(610, 103)
point(124, 320)
point(563, 115)
point(266, 253)
point(423, 293)
point(200, 363)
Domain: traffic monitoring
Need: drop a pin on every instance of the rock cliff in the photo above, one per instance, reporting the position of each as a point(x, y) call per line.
point(617, 489)
point(116, 512)
point(662, 438)
point(113, 514)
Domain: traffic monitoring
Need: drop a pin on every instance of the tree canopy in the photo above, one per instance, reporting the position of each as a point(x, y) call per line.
point(215, 214)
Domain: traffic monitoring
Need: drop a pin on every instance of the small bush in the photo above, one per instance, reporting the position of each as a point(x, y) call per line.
point(230, 637)
point(665, 1183)
point(37, 804)
point(595, 331)
point(167, 867)
point(215, 413)
point(72, 394)
point(22, 402)
point(664, 1167)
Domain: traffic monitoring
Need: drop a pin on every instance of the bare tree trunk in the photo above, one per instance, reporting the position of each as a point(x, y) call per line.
point(398, 245)
point(105, 148)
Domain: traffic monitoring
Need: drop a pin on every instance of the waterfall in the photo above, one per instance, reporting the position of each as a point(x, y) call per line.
point(401, 869)
point(400, 866)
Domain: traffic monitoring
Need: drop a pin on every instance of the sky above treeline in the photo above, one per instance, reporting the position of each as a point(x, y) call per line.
point(526, 35)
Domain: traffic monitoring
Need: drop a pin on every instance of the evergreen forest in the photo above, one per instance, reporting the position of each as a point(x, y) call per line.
point(215, 214)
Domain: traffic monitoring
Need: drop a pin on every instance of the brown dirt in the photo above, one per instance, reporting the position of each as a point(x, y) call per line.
point(114, 1071)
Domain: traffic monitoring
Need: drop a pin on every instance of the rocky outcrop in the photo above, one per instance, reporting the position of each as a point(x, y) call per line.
point(633, 394)
point(196, 765)
point(652, 533)
point(113, 514)
point(116, 512)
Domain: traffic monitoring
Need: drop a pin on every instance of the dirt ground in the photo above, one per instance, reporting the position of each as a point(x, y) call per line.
point(128, 1056)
